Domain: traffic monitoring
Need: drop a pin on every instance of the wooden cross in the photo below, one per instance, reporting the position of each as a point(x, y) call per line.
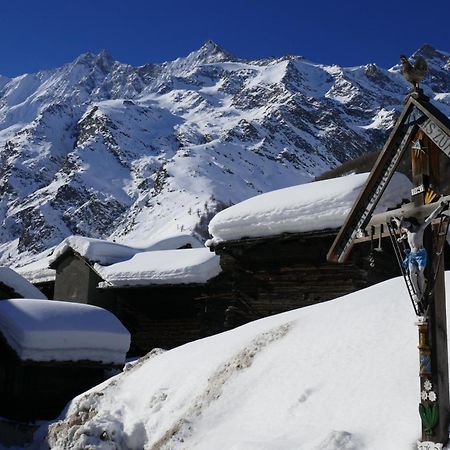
point(426, 131)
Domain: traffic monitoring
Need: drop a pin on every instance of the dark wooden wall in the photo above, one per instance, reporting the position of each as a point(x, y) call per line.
point(262, 277)
point(47, 288)
point(159, 317)
point(32, 391)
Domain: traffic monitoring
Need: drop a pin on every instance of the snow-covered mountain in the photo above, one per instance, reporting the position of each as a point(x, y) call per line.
point(107, 150)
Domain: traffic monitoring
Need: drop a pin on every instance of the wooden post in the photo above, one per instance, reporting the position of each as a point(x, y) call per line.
point(434, 377)
point(437, 338)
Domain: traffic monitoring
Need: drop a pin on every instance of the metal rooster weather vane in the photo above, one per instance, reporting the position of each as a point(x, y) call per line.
point(414, 74)
point(420, 227)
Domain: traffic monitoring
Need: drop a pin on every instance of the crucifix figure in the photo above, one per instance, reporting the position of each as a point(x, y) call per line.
point(416, 255)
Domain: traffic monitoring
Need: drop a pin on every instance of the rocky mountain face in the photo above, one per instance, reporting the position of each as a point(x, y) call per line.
point(104, 149)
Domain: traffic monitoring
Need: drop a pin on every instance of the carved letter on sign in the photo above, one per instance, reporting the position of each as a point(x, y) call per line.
point(438, 136)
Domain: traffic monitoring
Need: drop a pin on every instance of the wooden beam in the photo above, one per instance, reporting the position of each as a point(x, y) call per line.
point(375, 185)
point(406, 210)
point(439, 119)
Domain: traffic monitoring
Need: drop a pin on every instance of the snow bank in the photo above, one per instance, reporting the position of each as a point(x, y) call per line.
point(20, 285)
point(332, 376)
point(49, 330)
point(196, 265)
point(94, 250)
point(307, 207)
point(37, 272)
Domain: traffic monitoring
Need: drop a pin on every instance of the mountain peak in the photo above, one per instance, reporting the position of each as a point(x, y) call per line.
point(210, 48)
point(210, 52)
point(102, 59)
point(427, 51)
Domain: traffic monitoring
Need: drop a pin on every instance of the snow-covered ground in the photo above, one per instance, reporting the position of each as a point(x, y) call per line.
point(341, 375)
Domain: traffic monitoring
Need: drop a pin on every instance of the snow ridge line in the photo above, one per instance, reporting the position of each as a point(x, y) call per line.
point(182, 428)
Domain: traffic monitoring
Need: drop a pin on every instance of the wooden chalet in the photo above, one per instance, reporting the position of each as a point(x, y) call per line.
point(276, 272)
point(76, 279)
point(270, 275)
point(50, 353)
point(156, 304)
point(158, 316)
point(74, 260)
point(156, 295)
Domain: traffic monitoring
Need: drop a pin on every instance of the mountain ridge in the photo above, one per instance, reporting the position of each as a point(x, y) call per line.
point(107, 150)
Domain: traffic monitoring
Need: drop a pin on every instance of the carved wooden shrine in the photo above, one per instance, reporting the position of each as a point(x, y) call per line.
point(425, 132)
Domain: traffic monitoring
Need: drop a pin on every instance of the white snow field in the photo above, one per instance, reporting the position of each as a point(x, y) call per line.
point(49, 330)
point(307, 207)
point(341, 375)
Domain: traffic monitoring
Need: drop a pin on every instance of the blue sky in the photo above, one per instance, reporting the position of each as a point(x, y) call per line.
point(43, 34)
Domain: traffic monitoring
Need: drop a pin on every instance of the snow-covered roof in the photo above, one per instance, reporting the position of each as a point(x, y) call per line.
point(37, 271)
point(48, 330)
point(187, 266)
point(174, 242)
point(19, 284)
point(308, 207)
point(94, 250)
point(107, 252)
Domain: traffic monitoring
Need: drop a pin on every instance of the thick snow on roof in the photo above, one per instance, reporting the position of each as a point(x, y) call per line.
point(94, 250)
point(47, 330)
point(308, 207)
point(196, 265)
point(37, 272)
point(20, 285)
point(108, 252)
point(326, 377)
point(174, 242)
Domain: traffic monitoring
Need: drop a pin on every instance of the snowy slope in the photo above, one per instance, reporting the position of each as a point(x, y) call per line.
point(333, 376)
point(136, 154)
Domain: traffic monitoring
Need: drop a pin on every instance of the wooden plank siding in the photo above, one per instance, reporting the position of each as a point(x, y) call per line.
point(31, 390)
point(159, 316)
point(266, 276)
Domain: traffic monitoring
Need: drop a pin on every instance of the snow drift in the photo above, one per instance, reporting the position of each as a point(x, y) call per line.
point(333, 376)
